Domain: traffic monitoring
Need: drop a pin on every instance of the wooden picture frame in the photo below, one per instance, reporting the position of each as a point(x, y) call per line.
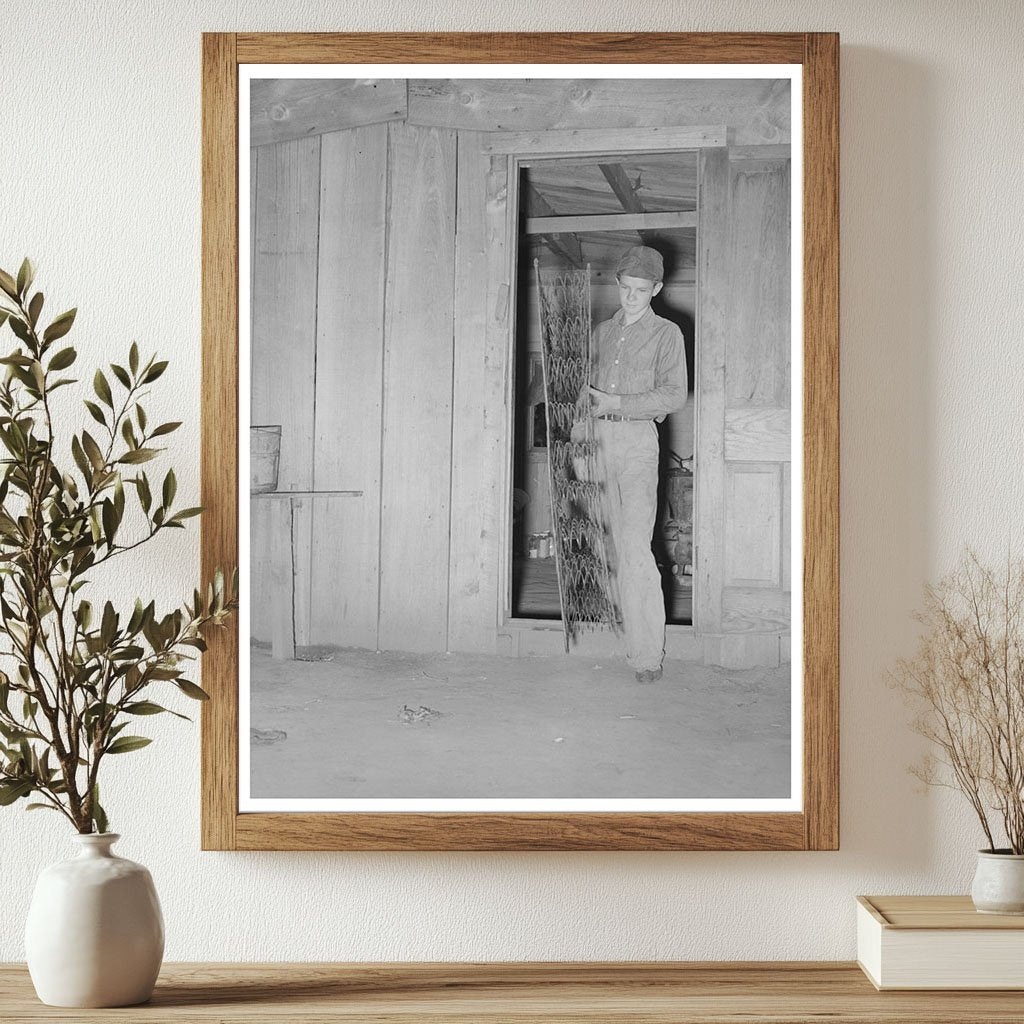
point(816, 826)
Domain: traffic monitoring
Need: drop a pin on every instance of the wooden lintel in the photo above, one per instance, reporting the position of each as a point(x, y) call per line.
point(294, 108)
point(756, 110)
point(594, 142)
point(611, 222)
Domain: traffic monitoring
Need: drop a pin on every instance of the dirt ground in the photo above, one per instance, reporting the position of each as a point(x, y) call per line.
point(361, 724)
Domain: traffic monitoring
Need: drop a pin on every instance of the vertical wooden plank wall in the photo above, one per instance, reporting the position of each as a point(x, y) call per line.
point(755, 600)
point(349, 387)
point(418, 367)
point(713, 277)
point(477, 421)
point(478, 437)
point(743, 436)
point(283, 348)
point(358, 370)
point(383, 356)
point(759, 352)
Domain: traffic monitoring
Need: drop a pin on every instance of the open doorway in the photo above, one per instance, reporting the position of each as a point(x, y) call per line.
point(580, 212)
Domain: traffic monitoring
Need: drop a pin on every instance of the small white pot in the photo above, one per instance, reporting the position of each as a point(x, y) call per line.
point(95, 933)
point(999, 882)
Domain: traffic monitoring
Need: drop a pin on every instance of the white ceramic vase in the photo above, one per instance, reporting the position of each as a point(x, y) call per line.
point(95, 933)
point(999, 883)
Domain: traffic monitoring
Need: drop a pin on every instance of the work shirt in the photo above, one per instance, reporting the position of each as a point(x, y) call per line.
point(644, 363)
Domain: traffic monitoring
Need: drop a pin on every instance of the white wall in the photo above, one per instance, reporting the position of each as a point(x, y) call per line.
point(99, 181)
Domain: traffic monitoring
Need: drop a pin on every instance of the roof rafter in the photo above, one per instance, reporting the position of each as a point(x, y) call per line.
point(568, 248)
point(618, 179)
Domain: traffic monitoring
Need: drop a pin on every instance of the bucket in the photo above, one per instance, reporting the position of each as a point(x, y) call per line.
point(264, 457)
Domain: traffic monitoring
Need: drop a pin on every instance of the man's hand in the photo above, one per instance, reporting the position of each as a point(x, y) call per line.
point(601, 403)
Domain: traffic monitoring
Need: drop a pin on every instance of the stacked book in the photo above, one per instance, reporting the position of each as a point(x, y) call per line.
point(938, 942)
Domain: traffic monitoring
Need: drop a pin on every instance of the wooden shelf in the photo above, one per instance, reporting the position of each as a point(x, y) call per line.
point(658, 993)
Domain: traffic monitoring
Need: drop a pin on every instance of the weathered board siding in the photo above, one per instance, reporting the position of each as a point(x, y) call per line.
point(382, 309)
point(353, 356)
point(757, 110)
point(284, 302)
point(753, 525)
point(478, 403)
point(349, 388)
point(713, 280)
point(759, 355)
point(418, 360)
point(743, 466)
point(758, 392)
point(283, 350)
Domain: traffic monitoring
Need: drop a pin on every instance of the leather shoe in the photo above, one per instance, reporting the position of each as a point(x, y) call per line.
point(649, 675)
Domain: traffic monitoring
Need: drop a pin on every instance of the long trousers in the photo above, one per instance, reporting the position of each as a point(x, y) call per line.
point(627, 457)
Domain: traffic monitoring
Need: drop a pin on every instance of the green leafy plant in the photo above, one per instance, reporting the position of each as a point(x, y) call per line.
point(80, 674)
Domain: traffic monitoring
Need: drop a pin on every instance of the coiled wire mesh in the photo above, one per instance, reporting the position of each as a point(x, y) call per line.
point(581, 559)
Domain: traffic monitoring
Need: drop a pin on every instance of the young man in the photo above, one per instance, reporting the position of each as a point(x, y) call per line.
point(638, 378)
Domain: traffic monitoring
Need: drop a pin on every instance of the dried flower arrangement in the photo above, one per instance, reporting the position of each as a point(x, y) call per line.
point(967, 682)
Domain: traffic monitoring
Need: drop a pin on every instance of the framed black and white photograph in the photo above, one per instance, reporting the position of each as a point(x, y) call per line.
point(533, 445)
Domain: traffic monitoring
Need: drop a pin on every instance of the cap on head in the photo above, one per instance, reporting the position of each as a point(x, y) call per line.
point(641, 261)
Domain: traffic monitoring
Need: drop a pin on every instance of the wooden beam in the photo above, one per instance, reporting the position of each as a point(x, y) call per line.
point(782, 151)
point(611, 222)
point(757, 110)
point(293, 108)
point(534, 202)
point(566, 248)
point(571, 252)
point(594, 142)
point(623, 188)
point(618, 179)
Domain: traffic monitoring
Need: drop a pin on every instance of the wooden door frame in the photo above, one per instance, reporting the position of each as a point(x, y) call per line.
point(524, 149)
